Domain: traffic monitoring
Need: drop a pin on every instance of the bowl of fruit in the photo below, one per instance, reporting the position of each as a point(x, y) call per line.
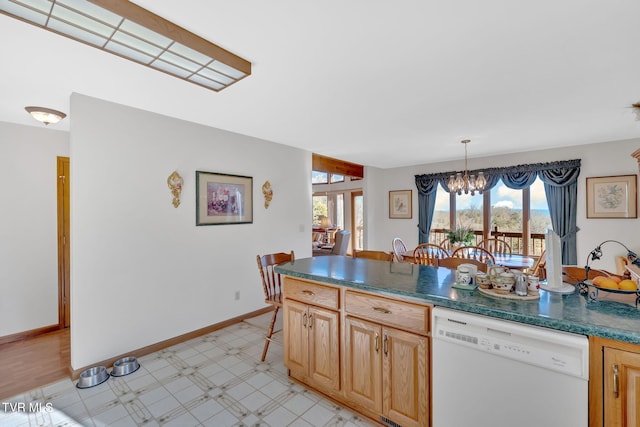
point(615, 284)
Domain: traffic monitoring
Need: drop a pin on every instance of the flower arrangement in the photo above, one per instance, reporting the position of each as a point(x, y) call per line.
point(461, 234)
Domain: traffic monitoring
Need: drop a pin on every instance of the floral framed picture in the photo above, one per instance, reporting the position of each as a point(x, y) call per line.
point(223, 199)
point(400, 204)
point(612, 196)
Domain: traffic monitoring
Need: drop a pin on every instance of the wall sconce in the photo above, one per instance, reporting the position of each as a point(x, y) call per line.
point(636, 154)
point(267, 191)
point(636, 109)
point(45, 115)
point(175, 181)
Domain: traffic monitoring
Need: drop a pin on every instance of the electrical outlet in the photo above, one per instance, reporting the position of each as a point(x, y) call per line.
point(237, 295)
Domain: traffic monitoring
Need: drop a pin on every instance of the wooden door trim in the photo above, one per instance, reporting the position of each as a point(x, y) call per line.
point(62, 185)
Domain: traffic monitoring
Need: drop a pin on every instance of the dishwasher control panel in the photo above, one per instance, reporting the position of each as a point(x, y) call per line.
point(547, 348)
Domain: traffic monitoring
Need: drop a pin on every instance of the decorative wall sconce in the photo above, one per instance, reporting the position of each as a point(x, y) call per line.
point(636, 154)
point(268, 193)
point(175, 181)
point(636, 109)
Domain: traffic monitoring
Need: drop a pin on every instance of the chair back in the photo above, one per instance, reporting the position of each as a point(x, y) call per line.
point(474, 252)
point(453, 263)
point(539, 268)
point(446, 244)
point(574, 274)
point(378, 255)
point(399, 249)
point(496, 246)
point(428, 253)
point(271, 281)
point(341, 243)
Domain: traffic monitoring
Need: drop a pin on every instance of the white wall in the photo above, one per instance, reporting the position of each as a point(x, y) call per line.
point(604, 159)
point(142, 272)
point(28, 226)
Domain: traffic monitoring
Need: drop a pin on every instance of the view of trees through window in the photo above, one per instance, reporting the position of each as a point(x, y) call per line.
point(505, 212)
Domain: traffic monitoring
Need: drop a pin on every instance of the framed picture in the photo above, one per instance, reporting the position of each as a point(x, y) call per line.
point(223, 199)
point(400, 204)
point(612, 196)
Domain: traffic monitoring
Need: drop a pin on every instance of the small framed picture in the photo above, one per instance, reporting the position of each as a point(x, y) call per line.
point(223, 199)
point(612, 196)
point(400, 204)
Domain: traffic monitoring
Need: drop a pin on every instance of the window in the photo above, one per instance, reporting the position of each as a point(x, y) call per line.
point(336, 178)
point(329, 206)
point(504, 209)
point(318, 177)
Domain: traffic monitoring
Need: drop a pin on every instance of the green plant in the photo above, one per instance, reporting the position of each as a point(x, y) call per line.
point(461, 234)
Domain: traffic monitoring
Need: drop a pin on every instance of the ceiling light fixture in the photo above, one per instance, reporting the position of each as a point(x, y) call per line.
point(45, 115)
point(463, 182)
point(129, 31)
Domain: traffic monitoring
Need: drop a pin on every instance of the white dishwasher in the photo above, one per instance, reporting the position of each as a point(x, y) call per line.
point(496, 373)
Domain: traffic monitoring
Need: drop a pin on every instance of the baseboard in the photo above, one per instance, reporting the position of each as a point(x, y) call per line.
point(28, 334)
point(75, 373)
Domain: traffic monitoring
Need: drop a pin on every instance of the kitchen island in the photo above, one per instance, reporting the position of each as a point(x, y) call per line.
point(357, 305)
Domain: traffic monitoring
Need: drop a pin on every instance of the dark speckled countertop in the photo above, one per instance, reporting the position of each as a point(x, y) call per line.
point(571, 313)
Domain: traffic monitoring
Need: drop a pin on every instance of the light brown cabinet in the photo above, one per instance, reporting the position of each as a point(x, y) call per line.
point(367, 351)
point(386, 371)
point(614, 384)
point(311, 350)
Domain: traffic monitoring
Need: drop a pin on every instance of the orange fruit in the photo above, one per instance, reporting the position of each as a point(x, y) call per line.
point(607, 283)
point(596, 280)
point(628, 285)
point(616, 279)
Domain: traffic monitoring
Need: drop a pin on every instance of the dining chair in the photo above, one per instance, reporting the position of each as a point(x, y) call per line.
point(453, 263)
point(473, 252)
point(272, 286)
point(539, 268)
point(496, 246)
point(428, 253)
point(378, 255)
point(399, 249)
point(446, 244)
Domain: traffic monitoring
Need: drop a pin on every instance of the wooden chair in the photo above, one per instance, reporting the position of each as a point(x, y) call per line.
point(539, 268)
point(474, 252)
point(496, 246)
point(574, 274)
point(446, 244)
point(428, 253)
point(272, 286)
point(399, 249)
point(378, 255)
point(453, 263)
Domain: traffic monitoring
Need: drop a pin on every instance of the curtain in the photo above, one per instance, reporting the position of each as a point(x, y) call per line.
point(560, 185)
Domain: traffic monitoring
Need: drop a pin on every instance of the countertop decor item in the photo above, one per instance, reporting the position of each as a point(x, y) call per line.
point(175, 182)
point(267, 191)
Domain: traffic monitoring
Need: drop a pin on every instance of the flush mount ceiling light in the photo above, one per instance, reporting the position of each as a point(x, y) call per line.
point(45, 115)
point(129, 31)
point(463, 182)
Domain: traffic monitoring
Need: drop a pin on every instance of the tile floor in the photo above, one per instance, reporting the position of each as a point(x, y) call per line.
point(215, 380)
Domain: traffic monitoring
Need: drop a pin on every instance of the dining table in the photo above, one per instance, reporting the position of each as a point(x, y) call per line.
point(515, 261)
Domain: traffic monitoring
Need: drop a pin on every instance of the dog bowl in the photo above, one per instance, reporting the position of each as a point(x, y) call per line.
point(125, 366)
point(92, 377)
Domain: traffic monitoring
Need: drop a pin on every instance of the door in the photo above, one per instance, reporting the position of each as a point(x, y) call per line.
point(296, 350)
point(621, 388)
point(324, 354)
point(363, 382)
point(357, 220)
point(405, 377)
point(64, 264)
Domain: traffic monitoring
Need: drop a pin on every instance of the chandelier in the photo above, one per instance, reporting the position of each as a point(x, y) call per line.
point(463, 182)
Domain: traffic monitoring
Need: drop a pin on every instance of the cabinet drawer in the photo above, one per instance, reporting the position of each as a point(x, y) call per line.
point(386, 311)
point(311, 293)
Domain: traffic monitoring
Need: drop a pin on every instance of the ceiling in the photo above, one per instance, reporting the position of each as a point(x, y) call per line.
point(380, 83)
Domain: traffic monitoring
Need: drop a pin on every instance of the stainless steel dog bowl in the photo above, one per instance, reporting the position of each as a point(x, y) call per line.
point(92, 377)
point(125, 366)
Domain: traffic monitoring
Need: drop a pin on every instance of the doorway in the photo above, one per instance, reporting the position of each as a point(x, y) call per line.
point(64, 263)
point(357, 220)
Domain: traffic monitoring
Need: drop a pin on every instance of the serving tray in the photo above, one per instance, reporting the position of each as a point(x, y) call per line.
point(510, 295)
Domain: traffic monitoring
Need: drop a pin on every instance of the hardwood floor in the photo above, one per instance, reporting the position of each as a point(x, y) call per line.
point(33, 362)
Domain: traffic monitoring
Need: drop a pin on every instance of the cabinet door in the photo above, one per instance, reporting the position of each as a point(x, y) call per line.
point(405, 377)
point(324, 353)
point(621, 388)
point(296, 349)
point(363, 370)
